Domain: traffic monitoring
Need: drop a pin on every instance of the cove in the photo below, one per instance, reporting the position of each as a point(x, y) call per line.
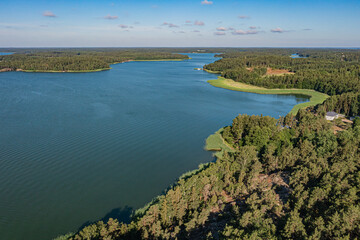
point(79, 147)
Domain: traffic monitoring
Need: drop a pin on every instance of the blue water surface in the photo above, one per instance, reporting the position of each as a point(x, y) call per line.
point(6, 53)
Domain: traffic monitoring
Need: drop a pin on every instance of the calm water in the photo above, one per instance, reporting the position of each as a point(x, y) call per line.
point(296, 55)
point(5, 53)
point(78, 147)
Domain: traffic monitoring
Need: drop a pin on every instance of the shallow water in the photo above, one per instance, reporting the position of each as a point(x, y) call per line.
point(78, 147)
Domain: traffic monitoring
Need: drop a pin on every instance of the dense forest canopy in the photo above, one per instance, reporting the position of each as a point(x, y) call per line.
point(330, 71)
point(78, 59)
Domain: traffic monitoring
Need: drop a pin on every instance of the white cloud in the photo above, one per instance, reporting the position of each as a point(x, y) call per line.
point(109, 17)
point(170, 25)
point(221, 29)
point(199, 23)
point(124, 26)
point(219, 33)
point(243, 17)
point(252, 27)
point(206, 2)
point(278, 30)
point(242, 32)
point(49, 14)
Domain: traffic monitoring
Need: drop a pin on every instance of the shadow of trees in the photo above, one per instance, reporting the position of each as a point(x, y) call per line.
point(122, 214)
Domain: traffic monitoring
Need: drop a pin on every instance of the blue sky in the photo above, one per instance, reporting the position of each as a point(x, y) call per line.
point(170, 23)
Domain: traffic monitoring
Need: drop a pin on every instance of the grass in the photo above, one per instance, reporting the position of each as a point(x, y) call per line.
point(215, 142)
point(209, 71)
point(315, 97)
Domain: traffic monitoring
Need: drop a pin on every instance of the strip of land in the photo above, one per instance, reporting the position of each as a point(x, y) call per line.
point(85, 71)
point(66, 71)
point(216, 142)
point(158, 60)
point(315, 97)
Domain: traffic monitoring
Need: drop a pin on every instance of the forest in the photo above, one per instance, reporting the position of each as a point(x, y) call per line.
point(330, 71)
point(286, 178)
point(64, 60)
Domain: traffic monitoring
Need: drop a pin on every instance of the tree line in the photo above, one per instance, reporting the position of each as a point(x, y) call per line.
point(328, 71)
point(77, 59)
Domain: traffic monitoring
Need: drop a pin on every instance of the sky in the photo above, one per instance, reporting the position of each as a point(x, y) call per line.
point(180, 23)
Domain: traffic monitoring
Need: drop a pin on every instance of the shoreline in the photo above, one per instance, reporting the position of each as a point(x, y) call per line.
point(88, 71)
point(209, 71)
point(67, 71)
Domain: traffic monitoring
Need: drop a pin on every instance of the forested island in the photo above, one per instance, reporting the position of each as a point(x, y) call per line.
point(287, 178)
point(78, 60)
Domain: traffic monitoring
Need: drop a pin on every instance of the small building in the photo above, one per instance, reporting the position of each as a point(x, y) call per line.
point(332, 115)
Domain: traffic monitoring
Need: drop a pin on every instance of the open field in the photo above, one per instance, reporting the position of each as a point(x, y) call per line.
point(277, 72)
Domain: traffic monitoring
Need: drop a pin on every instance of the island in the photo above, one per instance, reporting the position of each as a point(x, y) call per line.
point(79, 60)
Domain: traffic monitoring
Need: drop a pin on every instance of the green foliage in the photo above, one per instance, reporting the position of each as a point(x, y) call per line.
point(328, 71)
point(346, 103)
point(70, 60)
